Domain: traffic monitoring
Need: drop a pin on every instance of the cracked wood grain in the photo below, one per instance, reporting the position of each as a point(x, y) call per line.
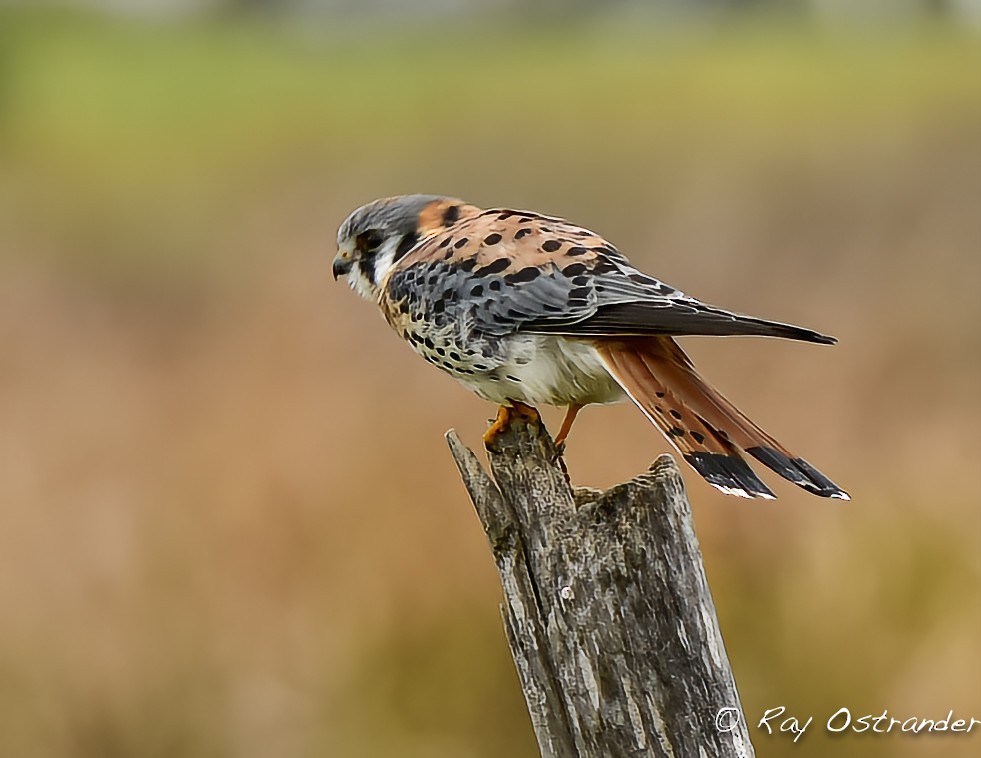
point(606, 608)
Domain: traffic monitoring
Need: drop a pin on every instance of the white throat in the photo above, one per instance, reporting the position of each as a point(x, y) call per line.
point(385, 259)
point(382, 261)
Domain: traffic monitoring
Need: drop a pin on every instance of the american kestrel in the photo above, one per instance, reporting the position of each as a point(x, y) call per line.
point(525, 309)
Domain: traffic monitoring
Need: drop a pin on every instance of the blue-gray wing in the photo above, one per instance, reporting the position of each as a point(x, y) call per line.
point(503, 272)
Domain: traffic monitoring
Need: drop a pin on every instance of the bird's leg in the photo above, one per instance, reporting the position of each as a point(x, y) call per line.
point(570, 417)
point(504, 415)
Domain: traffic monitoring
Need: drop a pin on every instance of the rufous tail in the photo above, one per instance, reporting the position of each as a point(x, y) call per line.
point(708, 430)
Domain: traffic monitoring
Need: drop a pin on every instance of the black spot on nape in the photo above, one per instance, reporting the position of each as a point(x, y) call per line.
point(494, 267)
point(659, 394)
point(477, 291)
point(576, 269)
point(575, 251)
point(460, 242)
point(446, 241)
point(451, 215)
point(492, 239)
point(407, 242)
point(676, 414)
point(467, 264)
point(526, 274)
point(522, 233)
point(505, 216)
point(698, 437)
point(550, 246)
point(677, 431)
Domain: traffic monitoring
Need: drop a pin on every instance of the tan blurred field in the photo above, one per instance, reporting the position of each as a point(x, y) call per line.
point(229, 525)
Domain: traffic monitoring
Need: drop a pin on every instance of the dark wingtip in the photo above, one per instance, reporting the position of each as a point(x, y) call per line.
point(808, 335)
point(798, 471)
point(823, 339)
point(730, 474)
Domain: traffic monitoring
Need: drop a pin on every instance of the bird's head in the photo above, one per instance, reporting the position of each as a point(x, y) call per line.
point(378, 234)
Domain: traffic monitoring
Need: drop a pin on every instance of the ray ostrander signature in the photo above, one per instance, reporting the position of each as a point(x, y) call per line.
point(777, 721)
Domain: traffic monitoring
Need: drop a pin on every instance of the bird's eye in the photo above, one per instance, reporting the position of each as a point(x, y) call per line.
point(369, 241)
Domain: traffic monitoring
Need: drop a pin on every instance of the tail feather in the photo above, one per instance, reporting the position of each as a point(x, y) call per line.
point(712, 455)
point(707, 429)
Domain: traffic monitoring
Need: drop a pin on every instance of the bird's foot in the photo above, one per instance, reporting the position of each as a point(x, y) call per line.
point(558, 453)
point(529, 414)
point(504, 416)
point(502, 420)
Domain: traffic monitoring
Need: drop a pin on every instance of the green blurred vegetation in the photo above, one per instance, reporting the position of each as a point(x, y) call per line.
point(106, 119)
point(200, 553)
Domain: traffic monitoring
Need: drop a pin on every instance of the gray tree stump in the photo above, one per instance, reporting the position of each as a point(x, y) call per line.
point(606, 607)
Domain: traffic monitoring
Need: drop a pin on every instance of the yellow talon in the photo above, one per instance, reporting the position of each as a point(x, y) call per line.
point(502, 420)
point(504, 415)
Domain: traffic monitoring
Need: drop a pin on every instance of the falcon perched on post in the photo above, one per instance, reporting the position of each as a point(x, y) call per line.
point(525, 309)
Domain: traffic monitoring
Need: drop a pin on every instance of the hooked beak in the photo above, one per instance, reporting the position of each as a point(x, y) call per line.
point(340, 266)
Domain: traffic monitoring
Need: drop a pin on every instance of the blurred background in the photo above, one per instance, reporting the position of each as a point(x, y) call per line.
point(229, 524)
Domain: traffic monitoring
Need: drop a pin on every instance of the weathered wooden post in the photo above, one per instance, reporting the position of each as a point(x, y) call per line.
point(606, 606)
